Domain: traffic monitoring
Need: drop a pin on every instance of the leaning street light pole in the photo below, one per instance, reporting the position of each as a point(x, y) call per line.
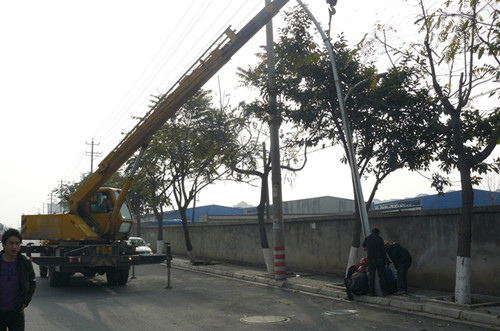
point(347, 131)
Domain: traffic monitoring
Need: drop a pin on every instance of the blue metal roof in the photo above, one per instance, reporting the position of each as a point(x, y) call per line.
point(448, 200)
point(174, 217)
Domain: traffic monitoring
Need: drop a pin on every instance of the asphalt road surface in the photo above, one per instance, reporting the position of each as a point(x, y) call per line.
point(199, 301)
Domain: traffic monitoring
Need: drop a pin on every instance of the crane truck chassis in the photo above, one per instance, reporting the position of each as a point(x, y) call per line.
point(90, 238)
point(62, 259)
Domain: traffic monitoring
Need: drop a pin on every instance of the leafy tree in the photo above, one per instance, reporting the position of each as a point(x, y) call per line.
point(254, 137)
point(153, 181)
point(386, 135)
point(458, 57)
point(189, 153)
point(64, 190)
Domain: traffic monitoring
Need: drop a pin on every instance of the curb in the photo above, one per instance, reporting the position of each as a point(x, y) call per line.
point(485, 318)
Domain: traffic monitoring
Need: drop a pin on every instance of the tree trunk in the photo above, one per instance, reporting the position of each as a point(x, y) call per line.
point(187, 239)
point(264, 244)
point(463, 271)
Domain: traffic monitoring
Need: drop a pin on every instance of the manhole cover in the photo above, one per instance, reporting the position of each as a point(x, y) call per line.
point(341, 312)
point(264, 319)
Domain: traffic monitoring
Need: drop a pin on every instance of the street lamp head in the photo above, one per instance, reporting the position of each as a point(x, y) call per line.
point(332, 4)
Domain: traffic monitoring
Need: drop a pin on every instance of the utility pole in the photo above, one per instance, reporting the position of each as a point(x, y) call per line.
point(91, 154)
point(61, 196)
point(278, 224)
point(351, 156)
point(49, 206)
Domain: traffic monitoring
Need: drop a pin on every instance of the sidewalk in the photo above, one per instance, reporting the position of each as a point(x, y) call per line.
point(485, 310)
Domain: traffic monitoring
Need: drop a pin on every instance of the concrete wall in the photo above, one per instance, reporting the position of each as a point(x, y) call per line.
point(321, 244)
point(321, 205)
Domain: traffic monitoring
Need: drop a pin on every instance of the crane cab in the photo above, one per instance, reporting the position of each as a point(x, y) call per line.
point(115, 224)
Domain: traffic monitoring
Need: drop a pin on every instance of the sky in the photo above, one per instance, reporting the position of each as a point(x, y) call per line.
point(73, 71)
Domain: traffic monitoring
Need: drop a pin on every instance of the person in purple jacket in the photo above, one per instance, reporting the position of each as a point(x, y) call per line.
point(17, 282)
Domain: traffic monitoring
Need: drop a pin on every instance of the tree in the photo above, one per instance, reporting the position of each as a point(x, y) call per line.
point(458, 58)
point(191, 152)
point(138, 197)
point(255, 134)
point(385, 134)
point(154, 181)
point(64, 190)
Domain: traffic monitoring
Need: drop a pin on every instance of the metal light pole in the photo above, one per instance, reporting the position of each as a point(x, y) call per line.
point(347, 131)
point(278, 224)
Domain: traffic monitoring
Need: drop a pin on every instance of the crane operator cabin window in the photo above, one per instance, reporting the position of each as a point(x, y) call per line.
point(101, 203)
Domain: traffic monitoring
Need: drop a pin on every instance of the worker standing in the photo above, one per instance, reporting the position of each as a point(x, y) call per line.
point(17, 282)
point(402, 261)
point(377, 260)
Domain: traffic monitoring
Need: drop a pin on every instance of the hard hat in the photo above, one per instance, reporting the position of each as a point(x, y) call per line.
point(364, 261)
point(386, 242)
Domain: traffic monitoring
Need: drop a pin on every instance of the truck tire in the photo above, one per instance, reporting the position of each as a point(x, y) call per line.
point(112, 277)
point(117, 276)
point(57, 279)
point(54, 277)
point(64, 278)
point(122, 276)
point(43, 271)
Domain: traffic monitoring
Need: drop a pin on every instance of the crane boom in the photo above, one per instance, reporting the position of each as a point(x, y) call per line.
point(91, 239)
point(218, 54)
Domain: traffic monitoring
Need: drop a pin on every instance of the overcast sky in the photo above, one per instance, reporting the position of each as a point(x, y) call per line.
point(73, 71)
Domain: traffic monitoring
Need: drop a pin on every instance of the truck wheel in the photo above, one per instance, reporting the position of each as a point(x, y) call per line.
point(43, 271)
point(64, 278)
point(54, 277)
point(112, 277)
point(122, 276)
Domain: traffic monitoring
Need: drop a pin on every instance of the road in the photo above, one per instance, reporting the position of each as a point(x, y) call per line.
point(199, 301)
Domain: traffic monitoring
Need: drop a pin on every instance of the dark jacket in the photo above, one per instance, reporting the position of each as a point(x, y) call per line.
point(352, 269)
point(375, 249)
point(359, 284)
point(27, 280)
point(398, 255)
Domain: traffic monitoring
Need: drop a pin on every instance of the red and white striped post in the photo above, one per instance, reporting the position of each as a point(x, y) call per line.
point(279, 263)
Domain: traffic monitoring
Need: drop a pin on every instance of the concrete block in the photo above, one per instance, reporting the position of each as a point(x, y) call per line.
point(441, 310)
point(408, 305)
point(303, 288)
point(237, 275)
point(375, 300)
point(330, 292)
point(482, 318)
point(261, 280)
point(248, 278)
point(278, 283)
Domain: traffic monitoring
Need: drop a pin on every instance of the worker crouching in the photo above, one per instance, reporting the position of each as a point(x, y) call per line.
point(356, 279)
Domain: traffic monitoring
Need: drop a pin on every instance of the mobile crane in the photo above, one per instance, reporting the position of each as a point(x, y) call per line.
point(90, 238)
